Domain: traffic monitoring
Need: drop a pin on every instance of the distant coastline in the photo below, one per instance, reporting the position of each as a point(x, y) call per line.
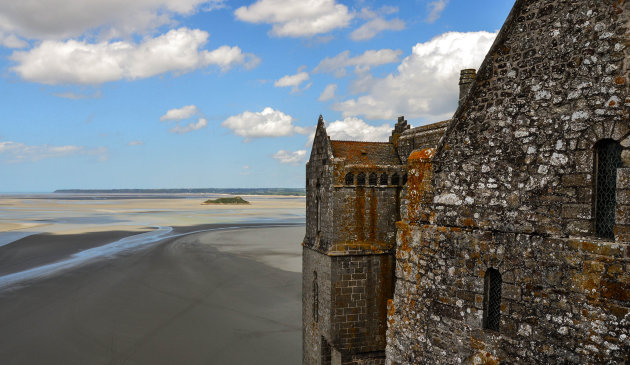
point(233, 191)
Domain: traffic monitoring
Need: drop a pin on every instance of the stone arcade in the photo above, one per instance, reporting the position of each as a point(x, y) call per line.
point(499, 236)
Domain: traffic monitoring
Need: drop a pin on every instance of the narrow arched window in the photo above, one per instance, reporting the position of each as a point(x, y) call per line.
point(492, 299)
point(404, 181)
point(383, 179)
point(315, 298)
point(350, 179)
point(395, 179)
point(319, 208)
point(607, 160)
point(373, 179)
point(361, 179)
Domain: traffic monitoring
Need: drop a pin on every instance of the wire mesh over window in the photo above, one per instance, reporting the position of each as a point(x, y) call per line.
point(492, 300)
point(350, 179)
point(373, 179)
point(361, 179)
point(395, 179)
point(383, 179)
point(607, 160)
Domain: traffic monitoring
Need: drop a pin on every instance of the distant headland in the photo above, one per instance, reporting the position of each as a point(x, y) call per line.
point(232, 191)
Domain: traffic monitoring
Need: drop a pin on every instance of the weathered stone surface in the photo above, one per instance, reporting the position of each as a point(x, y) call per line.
point(509, 184)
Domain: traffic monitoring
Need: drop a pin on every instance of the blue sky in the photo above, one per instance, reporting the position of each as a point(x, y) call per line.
point(194, 93)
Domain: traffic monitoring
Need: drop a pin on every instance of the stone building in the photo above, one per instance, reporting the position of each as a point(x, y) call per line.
point(506, 236)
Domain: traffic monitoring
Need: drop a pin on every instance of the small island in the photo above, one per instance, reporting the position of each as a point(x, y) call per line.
point(231, 200)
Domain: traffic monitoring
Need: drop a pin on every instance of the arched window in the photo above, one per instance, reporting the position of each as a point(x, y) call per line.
point(395, 179)
point(383, 179)
point(315, 298)
point(319, 208)
point(607, 160)
point(492, 299)
point(404, 179)
point(373, 179)
point(361, 179)
point(350, 179)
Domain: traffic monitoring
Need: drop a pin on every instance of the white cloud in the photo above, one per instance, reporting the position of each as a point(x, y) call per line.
point(77, 96)
point(426, 82)
point(267, 123)
point(11, 41)
point(292, 18)
point(293, 81)
point(290, 157)
point(435, 10)
point(363, 62)
point(328, 93)
point(14, 152)
point(355, 129)
point(376, 24)
point(135, 143)
point(59, 19)
point(184, 112)
point(78, 62)
point(192, 126)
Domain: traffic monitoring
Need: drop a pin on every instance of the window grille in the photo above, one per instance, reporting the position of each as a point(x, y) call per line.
point(350, 179)
point(395, 179)
point(607, 160)
point(383, 179)
point(492, 299)
point(361, 179)
point(373, 179)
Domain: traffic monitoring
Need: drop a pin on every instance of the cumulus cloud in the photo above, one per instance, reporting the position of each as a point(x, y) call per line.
point(426, 82)
point(266, 123)
point(362, 62)
point(355, 129)
point(290, 157)
point(328, 93)
point(135, 143)
point(192, 126)
point(59, 19)
point(184, 112)
point(435, 10)
point(293, 81)
point(79, 62)
point(291, 18)
point(14, 152)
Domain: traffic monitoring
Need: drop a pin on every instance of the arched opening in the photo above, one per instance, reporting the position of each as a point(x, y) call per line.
point(395, 179)
point(361, 179)
point(607, 160)
point(319, 208)
point(373, 179)
point(349, 178)
point(383, 179)
point(315, 298)
point(492, 299)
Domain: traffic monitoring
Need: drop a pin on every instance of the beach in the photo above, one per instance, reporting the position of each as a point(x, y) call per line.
point(225, 292)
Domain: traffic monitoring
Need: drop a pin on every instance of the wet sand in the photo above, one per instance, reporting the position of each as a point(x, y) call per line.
point(222, 297)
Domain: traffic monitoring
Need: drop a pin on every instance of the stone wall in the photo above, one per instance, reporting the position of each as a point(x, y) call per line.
point(361, 286)
point(510, 187)
point(419, 138)
point(315, 328)
point(564, 300)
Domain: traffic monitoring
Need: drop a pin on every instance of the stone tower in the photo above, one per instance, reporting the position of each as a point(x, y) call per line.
point(352, 206)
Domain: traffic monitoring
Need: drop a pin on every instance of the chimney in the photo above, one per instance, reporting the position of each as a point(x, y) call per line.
point(466, 79)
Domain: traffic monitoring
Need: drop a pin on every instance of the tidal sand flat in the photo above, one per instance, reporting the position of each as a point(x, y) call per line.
point(228, 294)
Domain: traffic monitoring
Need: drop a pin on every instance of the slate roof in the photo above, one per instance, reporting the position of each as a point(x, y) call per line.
point(372, 153)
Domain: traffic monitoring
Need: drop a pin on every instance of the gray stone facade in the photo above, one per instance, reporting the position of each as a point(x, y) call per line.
point(499, 253)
